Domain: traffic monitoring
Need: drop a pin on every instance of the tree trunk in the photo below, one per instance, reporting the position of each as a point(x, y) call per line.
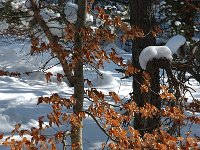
point(141, 15)
point(76, 132)
point(154, 99)
point(57, 50)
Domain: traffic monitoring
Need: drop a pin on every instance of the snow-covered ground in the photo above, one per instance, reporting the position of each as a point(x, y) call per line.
point(18, 95)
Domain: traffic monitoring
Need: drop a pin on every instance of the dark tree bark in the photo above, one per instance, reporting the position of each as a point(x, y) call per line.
point(153, 96)
point(141, 15)
point(76, 132)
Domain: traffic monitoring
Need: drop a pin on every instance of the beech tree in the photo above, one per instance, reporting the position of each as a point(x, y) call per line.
point(87, 49)
point(76, 132)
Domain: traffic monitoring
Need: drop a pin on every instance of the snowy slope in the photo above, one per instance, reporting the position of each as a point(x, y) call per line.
point(18, 96)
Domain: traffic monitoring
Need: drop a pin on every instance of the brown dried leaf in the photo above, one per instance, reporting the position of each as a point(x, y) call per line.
point(48, 76)
point(1, 136)
point(144, 88)
point(115, 97)
point(59, 77)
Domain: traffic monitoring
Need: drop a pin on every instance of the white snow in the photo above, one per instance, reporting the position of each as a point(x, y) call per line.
point(48, 14)
point(3, 25)
point(18, 96)
point(71, 13)
point(175, 42)
point(177, 23)
point(151, 52)
point(89, 18)
point(56, 28)
point(195, 39)
point(106, 80)
point(99, 22)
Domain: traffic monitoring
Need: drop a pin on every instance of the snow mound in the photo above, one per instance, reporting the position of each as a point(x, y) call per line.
point(175, 42)
point(5, 123)
point(106, 80)
point(151, 52)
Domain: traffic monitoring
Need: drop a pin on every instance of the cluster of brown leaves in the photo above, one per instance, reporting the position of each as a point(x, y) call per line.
point(156, 30)
point(37, 46)
point(116, 58)
point(194, 106)
point(47, 75)
point(157, 140)
point(165, 94)
point(91, 52)
point(57, 116)
point(70, 30)
point(111, 120)
point(130, 70)
point(148, 111)
point(30, 139)
point(175, 113)
point(194, 119)
point(145, 86)
point(55, 99)
point(132, 33)
point(11, 74)
point(35, 137)
point(131, 108)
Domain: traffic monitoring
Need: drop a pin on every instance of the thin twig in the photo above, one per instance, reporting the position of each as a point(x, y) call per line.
point(104, 131)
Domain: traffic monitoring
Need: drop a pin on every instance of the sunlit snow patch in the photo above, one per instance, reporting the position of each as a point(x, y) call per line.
point(175, 42)
point(152, 52)
point(105, 80)
point(71, 13)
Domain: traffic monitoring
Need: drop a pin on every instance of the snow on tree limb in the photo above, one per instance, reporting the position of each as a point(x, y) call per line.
point(175, 42)
point(151, 52)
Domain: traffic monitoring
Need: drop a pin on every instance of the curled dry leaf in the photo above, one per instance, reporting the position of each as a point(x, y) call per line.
point(59, 77)
point(1, 136)
point(144, 88)
point(48, 76)
point(115, 97)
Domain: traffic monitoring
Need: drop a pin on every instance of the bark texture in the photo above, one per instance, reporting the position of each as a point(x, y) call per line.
point(142, 16)
point(76, 132)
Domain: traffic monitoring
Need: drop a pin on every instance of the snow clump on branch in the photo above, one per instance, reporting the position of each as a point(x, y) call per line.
point(175, 42)
point(154, 52)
